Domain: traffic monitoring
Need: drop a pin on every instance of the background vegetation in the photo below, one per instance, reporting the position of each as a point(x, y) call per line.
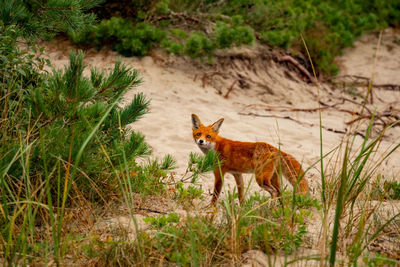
point(197, 28)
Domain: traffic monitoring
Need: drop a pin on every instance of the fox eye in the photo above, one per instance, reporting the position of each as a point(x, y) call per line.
point(208, 136)
point(198, 134)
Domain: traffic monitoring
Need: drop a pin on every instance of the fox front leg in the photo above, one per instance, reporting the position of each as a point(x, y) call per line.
point(218, 176)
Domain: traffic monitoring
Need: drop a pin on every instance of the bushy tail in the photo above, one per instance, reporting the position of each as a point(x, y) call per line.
point(292, 170)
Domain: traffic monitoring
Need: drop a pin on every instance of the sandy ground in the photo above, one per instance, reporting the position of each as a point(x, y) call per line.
point(261, 105)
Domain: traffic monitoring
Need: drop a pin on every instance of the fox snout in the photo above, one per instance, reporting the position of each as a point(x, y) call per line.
point(204, 145)
point(202, 142)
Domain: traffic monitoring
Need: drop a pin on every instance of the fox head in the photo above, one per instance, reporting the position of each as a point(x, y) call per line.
point(205, 136)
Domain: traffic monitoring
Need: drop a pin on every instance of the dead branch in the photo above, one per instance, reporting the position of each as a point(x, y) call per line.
point(324, 107)
point(356, 103)
point(387, 86)
point(209, 75)
point(230, 89)
point(151, 210)
point(176, 15)
point(300, 122)
point(283, 108)
point(298, 66)
point(339, 109)
point(379, 116)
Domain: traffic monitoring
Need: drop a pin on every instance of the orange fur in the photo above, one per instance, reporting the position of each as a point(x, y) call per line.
point(262, 159)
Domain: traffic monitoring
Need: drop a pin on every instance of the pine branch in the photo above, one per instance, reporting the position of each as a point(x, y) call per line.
point(120, 78)
point(135, 110)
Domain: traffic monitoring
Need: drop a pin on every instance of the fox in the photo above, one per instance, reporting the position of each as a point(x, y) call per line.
point(262, 159)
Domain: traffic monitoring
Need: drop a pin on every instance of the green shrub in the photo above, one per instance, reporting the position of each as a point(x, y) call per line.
point(180, 34)
point(189, 193)
point(125, 37)
point(150, 178)
point(327, 26)
point(198, 45)
point(277, 38)
point(228, 36)
point(387, 190)
point(160, 221)
point(65, 107)
point(129, 40)
point(199, 164)
point(162, 7)
point(173, 47)
point(393, 189)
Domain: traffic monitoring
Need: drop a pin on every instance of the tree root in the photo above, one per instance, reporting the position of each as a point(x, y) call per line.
point(387, 86)
point(303, 70)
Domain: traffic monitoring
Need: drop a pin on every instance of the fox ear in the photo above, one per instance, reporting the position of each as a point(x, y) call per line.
point(195, 122)
point(216, 125)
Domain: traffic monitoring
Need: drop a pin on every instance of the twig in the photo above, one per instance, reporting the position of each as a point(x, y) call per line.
point(177, 15)
point(230, 89)
point(209, 75)
point(151, 210)
point(377, 116)
point(387, 86)
point(298, 66)
point(300, 122)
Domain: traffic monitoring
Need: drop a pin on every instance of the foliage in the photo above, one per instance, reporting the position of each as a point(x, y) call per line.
point(123, 35)
point(386, 190)
point(150, 178)
point(233, 36)
point(64, 109)
point(189, 193)
point(199, 164)
point(160, 221)
point(327, 26)
point(136, 39)
point(198, 45)
point(45, 18)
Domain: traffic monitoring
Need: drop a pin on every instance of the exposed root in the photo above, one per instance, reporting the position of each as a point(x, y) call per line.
point(206, 76)
point(357, 78)
point(230, 89)
point(298, 66)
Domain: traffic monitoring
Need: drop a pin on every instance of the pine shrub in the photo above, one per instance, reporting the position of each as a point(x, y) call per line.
point(57, 115)
point(198, 45)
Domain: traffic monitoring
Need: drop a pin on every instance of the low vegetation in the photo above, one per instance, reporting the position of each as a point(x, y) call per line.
point(197, 28)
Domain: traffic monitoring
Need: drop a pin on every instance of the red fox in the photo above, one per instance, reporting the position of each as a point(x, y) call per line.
point(236, 157)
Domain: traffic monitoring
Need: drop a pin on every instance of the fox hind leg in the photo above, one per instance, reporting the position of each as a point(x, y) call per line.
point(268, 179)
point(240, 185)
